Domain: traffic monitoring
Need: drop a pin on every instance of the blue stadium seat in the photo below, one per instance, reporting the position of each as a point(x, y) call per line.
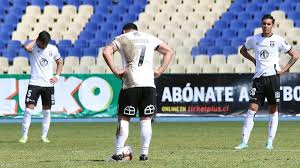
point(258, 16)
point(91, 27)
point(214, 50)
point(102, 35)
point(237, 24)
point(114, 34)
point(81, 44)
point(227, 50)
point(16, 11)
point(125, 2)
point(268, 7)
point(244, 16)
point(140, 2)
point(20, 3)
point(112, 18)
point(252, 24)
point(40, 3)
point(107, 27)
point(104, 3)
point(73, 2)
point(4, 3)
point(97, 17)
point(86, 35)
point(129, 18)
point(90, 52)
point(212, 33)
point(237, 41)
point(23, 52)
point(75, 52)
point(297, 23)
point(103, 10)
point(294, 15)
point(2, 44)
point(89, 2)
point(4, 36)
point(119, 10)
point(206, 42)
point(10, 54)
point(58, 3)
point(96, 43)
point(221, 42)
point(286, 7)
point(252, 8)
point(11, 19)
point(14, 44)
point(236, 8)
point(9, 28)
point(220, 24)
point(228, 16)
point(229, 33)
point(63, 51)
point(136, 9)
point(245, 33)
point(65, 43)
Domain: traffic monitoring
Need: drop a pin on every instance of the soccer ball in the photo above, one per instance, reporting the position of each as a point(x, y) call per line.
point(127, 152)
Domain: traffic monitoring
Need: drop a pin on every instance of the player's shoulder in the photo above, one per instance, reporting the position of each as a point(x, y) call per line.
point(277, 37)
point(52, 47)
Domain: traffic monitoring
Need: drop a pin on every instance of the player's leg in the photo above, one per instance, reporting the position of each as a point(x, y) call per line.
point(256, 98)
point(30, 101)
point(126, 108)
point(146, 110)
point(273, 97)
point(121, 136)
point(47, 95)
point(273, 124)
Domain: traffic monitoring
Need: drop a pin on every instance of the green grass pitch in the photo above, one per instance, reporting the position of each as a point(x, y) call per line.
point(203, 144)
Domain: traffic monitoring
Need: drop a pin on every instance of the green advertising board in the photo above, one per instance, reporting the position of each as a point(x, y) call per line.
point(76, 96)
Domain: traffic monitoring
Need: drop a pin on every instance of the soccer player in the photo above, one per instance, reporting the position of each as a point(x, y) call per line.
point(266, 81)
point(138, 90)
point(41, 81)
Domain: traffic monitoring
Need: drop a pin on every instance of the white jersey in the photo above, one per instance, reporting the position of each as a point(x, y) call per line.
point(41, 61)
point(267, 51)
point(144, 44)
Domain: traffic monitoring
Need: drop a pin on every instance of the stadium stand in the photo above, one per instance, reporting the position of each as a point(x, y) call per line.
point(198, 31)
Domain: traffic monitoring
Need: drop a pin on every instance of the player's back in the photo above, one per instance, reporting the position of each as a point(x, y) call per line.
point(144, 45)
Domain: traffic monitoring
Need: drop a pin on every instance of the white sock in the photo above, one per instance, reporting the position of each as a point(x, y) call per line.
point(248, 125)
point(46, 123)
point(26, 122)
point(121, 136)
point(146, 133)
point(273, 123)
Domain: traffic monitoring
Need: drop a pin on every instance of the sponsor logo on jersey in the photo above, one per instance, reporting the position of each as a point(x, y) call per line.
point(264, 54)
point(43, 62)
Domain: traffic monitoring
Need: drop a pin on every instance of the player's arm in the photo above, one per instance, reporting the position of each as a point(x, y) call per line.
point(107, 54)
point(59, 66)
point(294, 57)
point(246, 54)
point(29, 47)
point(167, 53)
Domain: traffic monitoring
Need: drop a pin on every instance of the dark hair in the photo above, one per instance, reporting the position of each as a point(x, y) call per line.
point(129, 26)
point(268, 16)
point(44, 37)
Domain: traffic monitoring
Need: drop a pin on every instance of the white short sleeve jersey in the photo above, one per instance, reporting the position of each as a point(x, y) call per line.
point(267, 51)
point(41, 61)
point(145, 45)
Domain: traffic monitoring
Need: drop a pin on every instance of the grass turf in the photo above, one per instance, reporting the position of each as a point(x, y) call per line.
point(203, 144)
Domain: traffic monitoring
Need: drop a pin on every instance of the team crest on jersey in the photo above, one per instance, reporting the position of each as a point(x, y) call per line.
point(272, 43)
point(264, 54)
point(43, 62)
